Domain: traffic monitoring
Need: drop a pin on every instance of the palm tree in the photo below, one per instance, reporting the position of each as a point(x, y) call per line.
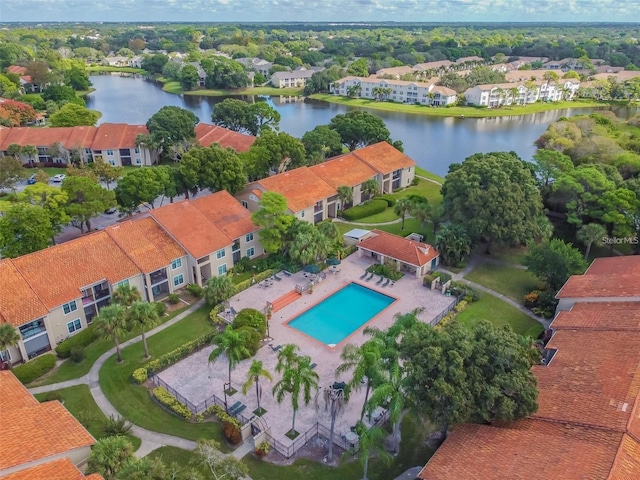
point(590, 233)
point(256, 371)
point(219, 289)
point(345, 194)
point(233, 343)
point(364, 362)
point(30, 151)
point(297, 377)
point(371, 442)
point(354, 90)
point(143, 315)
point(402, 208)
point(287, 357)
point(421, 211)
point(549, 76)
point(111, 323)
point(8, 337)
point(335, 397)
point(126, 295)
point(370, 188)
point(109, 455)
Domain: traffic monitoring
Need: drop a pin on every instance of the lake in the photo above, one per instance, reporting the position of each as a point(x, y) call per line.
point(433, 142)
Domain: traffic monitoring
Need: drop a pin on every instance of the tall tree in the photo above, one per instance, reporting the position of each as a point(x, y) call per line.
point(453, 243)
point(141, 187)
point(31, 152)
point(274, 219)
point(143, 315)
point(233, 114)
point(321, 143)
point(72, 115)
point(106, 172)
point(51, 199)
point(285, 152)
point(86, 200)
point(554, 261)
point(255, 372)
point(171, 126)
point(495, 196)
point(213, 167)
point(421, 211)
point(358, 128)
point(590, 233)
point(24, 228)
point(109, 455)
point(219, 289)
point(233, 343)
point(371, 443)
point(220, 466)
point(111, 324)
point(8, 338)
point(336, 396)
point(309, 244)
point(345, 194)
point(263, 116)
point(126, 295)
point(402, 208)
point(297, 378)
point(11, 172)
point(145, 468)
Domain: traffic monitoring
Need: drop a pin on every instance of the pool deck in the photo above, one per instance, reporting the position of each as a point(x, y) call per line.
point(197, 380)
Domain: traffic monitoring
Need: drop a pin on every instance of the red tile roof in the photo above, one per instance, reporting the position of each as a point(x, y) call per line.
point(191, 228)
point(19, 304)
point(58, 273)
point(606, 277)
point(384, 158)
point(346, 170)
point(208, 134)
point(626, 465)
point(301, 187)
point(33, 430)
point(600, 316)
point(16, 69)
point(524, 450)
point(226, 213)
point(62, 469)
point(146, 243)
point(117, 135)
point(400, 248)
point(623, 265)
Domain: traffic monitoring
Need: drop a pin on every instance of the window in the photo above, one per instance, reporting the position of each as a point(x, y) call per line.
point(302, 214)
point(137, 161)
point(178, 280)
point(137, 150)
point(4, 357)
point(220, 253)
point(222, 269)
point(109, 152)
point(245, 204)
point(69, 307)
point(124, 283)
point(248, 237)
point(251, 252)
point(177, 263)
point(74, 326)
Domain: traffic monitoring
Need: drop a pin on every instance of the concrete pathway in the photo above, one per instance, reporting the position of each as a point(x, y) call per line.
point(243, 449)
point(410, 474)
point(150, 440)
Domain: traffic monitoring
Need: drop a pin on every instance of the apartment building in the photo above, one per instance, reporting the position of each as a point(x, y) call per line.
point(40, 441)
point(114, 143)
point(295, 79)
point(502, 94)
point(588, 420)
point(394, 90)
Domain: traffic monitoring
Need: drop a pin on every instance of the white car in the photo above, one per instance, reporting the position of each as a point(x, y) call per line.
point(58, 178)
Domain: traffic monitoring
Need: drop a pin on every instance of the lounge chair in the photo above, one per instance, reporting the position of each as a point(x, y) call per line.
point(380, 280)
point(364, 275)
point(277, 348)
point(288, 274)
point(276, 277)
point(233, 311)
point(313, 365)
point(369, 277)
point(386, 283)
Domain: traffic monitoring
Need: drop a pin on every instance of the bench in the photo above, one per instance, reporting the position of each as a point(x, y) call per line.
point(234, 406)
point(238, 410)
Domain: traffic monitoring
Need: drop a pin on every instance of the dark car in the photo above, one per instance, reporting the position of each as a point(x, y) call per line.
point(32, 179)
point(111, 210)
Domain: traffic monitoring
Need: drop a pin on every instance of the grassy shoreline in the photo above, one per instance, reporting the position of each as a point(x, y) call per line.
point(173, 86)
point(469, 112)
point(107, 68)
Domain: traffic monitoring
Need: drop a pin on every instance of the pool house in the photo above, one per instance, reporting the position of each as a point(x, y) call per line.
point(412, 256)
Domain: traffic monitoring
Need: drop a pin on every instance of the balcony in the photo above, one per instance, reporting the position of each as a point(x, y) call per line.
point(32, 329)
point(158, 276)
point(236, 245)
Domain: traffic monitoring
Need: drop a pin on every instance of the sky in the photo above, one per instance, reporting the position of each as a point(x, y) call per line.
point(320, 10)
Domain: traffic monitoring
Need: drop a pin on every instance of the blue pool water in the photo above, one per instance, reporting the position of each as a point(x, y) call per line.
point(341, 314)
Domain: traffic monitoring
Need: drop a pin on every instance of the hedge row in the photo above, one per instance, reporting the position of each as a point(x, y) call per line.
point(169, 401)
point(34, 368)
point(219, 412)
point(365, 210)
point(252, 281)
point(141, 374)
point(81, 339)
point(390, 199)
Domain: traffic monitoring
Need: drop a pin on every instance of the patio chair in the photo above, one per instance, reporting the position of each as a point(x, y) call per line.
point(386, 283)
point(313, 365)
point(364, 275)
point(380, 280)
point(276, 348)
point(371, 274)
point(233, 311)
point(276, 277)
point(288, 274)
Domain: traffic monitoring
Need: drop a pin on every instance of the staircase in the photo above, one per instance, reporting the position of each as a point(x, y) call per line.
point(285, 300)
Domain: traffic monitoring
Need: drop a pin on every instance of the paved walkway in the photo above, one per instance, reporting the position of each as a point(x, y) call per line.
point(410, 474)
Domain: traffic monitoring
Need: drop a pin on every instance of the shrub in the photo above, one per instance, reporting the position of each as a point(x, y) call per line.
point(35, 368)
point(428, 279)
point(223, 416)
point(460, 306)
point(77, 354)
point(386, 271)
point(444, 277)
point(531, 299)
point(390, 199)
point(263, 449)
point(252, 339)
point(166, 399)
point(250, 317)
point(140, 375)
point(366, 209)
point(51, 396)
point(231, 433)
point(195, 290)
point(174, 298)
point(116, 426)
point(81, 339)
point(416, 180)
point(161, 308)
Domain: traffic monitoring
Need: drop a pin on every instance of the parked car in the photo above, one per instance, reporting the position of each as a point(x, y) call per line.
point(58, 178)
point(111, 210)
point(32, 179)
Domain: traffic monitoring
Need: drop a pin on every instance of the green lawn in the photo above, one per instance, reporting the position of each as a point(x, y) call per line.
point(69, 369)
point(134, 401)
point(512, 282)
point(412, 452)
point(427, 174)
point(471, 112)
point(429, 190)
point(513, 255)
point(107, 68)
point(173, 86)
point(387, 215)
point(80, 403)
point(411, 225)
point(499, 313)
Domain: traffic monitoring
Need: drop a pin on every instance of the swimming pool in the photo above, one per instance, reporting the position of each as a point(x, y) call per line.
point(339, 315)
